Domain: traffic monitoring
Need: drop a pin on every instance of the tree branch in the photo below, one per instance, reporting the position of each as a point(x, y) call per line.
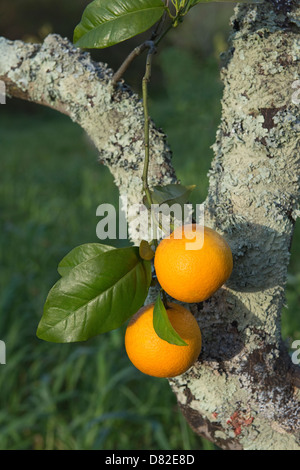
point(128, 61)
point(59, 75)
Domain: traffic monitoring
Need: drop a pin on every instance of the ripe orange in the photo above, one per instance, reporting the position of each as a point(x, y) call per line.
point(154, 356)
point(192, 275)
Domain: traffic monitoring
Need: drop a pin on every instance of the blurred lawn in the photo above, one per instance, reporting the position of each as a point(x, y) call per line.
point(89, 396)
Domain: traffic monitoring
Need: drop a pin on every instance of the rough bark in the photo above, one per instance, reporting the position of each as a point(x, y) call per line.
point(243, 393)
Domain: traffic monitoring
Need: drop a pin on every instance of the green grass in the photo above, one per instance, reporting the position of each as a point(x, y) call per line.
point(89, 396)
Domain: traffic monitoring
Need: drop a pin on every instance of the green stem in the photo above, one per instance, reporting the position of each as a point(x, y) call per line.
point(151, 45)
point(127, 62)
point(146, 80)
point(164, 33)
point(142, 47)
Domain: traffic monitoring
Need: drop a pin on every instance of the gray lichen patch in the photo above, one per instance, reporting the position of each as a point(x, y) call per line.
point(257, 143)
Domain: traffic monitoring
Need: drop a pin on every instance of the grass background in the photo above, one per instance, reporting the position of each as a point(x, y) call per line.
point(89, 396)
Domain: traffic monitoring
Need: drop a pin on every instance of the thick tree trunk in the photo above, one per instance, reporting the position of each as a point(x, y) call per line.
point(243, 393)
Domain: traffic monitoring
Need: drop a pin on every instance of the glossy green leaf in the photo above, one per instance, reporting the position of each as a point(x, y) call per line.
point(97, 295)
point(80, 254)
point(108, 22)
point(163, 326)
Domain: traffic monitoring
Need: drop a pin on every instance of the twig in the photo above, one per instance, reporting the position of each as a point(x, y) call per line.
point(140, 49)
point(133, 55)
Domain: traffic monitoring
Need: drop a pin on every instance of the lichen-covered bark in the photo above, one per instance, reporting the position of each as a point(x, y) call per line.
point(243, 393)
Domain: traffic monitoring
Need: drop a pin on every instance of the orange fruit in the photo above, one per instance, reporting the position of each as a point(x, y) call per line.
point(192, 275)
point(154, 356)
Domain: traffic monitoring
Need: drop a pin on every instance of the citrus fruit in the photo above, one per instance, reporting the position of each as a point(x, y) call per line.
point(192, 275)
point(155, 356)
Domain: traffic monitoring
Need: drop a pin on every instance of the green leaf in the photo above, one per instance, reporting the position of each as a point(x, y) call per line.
point(80, 254)
point(108, 22)
point(97, 295)
point(163, 326)
point(171, 194)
